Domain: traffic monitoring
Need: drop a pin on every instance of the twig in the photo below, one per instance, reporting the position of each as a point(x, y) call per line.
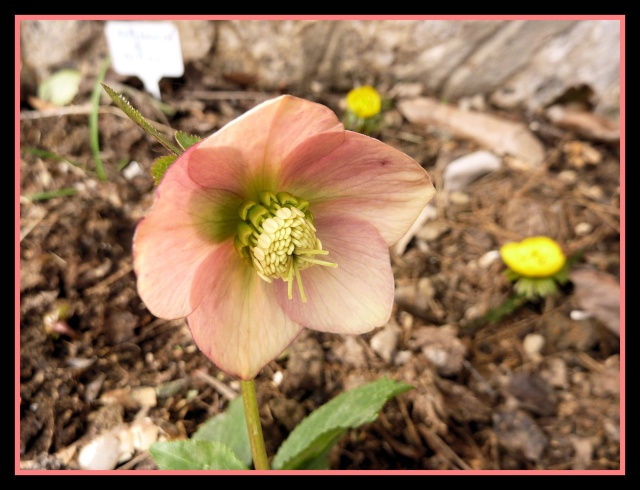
point(412, 433)
point(436, 443)
point(28, 228)
point(601, 211)
point(403, 449)
point(474, 372)
point(231, 95)
point(112, 278)
point(134, 461)
point(83, 110)
point(72, 110)
point(589, 362)
point(219, 386)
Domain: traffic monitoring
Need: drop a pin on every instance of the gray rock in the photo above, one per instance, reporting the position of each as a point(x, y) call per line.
point(588, 54)
point(502, 55)
point(442, 347)
point(534, 393)
point(385, 342)
point(459, 173)
point(515, 62)
point(518, 433)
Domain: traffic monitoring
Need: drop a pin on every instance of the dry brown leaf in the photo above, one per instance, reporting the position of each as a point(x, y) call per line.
point(587, 124)
point(599, 294)
point(496, 134)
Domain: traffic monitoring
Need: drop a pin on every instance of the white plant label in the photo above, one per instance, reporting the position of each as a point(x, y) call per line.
point(147, 50)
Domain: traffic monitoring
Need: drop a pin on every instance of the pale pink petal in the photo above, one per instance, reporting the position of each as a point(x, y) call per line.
point(239, 324)
point(363, 178)
point(353, 298)
point(260, 139)
point(296, 121)
point(218, 168)
point(179, 232)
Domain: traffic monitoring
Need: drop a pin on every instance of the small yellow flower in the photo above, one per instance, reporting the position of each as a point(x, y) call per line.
point(364, 101)
point(535, 257)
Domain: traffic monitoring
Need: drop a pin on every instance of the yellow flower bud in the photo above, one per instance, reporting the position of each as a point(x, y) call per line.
point(538, 257)
point(364, 101)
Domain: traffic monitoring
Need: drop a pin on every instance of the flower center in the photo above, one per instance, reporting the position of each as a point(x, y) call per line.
point(277, 237)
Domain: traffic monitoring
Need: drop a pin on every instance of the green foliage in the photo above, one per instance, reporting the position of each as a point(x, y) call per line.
point(41, 196)
point(223, 441)
point(122, 163)
point(186, 140)
point(230, 429)
point(196, 454)
point(527, 290)
point(509, 306)
point(309, 443)
point(137, 118)
point(53, 156)
point(93, 121)
point(162, 163)
point(160, 166)
point(367, 126)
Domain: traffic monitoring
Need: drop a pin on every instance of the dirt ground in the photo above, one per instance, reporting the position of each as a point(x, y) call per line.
point(538, 389)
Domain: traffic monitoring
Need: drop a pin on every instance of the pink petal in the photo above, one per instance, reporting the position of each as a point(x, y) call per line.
point(176, 236)
point(218, 167)
point(248, 152)
point(239, 324)
point(353, 298)
point(365, 179)
point(296, 121)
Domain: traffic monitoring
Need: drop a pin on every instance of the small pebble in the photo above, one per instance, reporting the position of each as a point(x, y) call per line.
point(102, 453)
point(459, 198)
point(583, 228)
point(488, 258)
point(568, 176)
point(578, 315)
point(132, 170)
point(533, 344)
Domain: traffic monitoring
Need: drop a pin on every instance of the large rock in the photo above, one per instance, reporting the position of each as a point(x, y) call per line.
point(586, 55)
point(527, 63)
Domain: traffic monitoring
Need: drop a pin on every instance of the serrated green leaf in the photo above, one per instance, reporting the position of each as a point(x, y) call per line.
point(230, 429)
point(137, 118)
point(310, 442)
point(160, 166)
point(194, 454)
point(186, 140)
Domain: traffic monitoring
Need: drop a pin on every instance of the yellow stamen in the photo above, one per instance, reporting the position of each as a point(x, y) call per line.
point(315, 261)
point(299, 281)
point(278, 238)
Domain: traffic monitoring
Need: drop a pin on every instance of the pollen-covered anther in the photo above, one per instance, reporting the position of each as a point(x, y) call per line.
point(282, 241)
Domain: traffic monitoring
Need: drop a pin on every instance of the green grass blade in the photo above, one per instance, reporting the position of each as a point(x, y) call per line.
point(93, 121)
point(42, 196)
point(53, 156)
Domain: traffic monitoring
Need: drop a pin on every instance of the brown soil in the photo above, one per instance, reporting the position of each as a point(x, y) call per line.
point(492, 404)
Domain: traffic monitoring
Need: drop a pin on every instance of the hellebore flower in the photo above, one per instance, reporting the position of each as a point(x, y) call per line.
point(278, 221)
point(535, 265)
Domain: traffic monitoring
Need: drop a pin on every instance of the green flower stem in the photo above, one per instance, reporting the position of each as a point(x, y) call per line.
point(260, 460)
